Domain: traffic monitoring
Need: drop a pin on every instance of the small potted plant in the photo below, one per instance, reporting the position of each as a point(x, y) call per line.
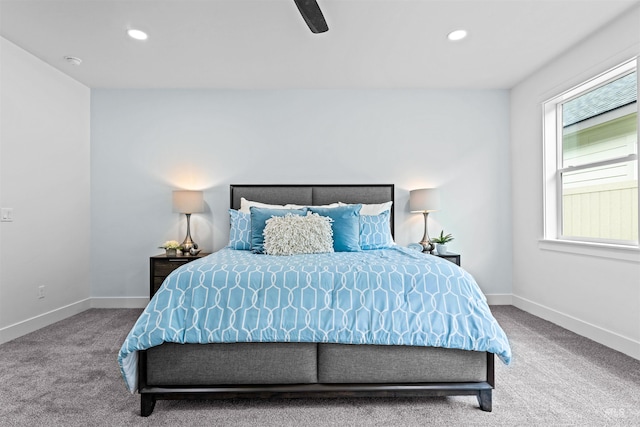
point(441, 242)
point(171, 247)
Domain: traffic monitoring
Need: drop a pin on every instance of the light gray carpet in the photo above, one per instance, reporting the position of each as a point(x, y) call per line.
point(67, 375)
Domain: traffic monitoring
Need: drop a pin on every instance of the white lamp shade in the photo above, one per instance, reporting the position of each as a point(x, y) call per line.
point(424, 200)
point(188, 201)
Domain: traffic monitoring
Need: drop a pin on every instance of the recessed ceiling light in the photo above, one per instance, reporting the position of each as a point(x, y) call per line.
point(457, 35)
point(73, 60)
point(137, 34)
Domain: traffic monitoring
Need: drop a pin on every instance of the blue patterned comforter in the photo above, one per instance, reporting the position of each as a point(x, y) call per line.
point(390, 296)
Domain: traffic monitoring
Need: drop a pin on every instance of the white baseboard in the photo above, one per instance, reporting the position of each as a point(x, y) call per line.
point(27, 326)
point(499, 299)
point(119, 302)
point(600, 335)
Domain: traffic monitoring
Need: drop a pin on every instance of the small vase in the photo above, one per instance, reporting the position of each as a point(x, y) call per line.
point(441, 249)
point(171, 252)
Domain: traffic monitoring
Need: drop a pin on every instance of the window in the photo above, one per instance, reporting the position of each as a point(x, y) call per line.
point(591, 160)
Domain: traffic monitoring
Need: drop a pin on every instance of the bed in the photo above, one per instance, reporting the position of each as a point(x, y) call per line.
point(193, 341)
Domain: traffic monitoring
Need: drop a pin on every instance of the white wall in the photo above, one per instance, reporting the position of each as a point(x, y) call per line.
point(44, 177)
point(593, 295)
point(145, 143)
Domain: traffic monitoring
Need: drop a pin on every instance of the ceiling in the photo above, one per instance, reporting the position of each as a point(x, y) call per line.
point(256, 44)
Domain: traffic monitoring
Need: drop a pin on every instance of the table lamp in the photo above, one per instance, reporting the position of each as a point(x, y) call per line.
point(188, 202)
point(423, 201)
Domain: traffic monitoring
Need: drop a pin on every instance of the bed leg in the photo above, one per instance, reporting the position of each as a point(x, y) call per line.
point(147, 403)
point(484, 399)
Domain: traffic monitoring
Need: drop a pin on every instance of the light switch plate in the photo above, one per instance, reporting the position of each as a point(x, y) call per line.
point(6, 214)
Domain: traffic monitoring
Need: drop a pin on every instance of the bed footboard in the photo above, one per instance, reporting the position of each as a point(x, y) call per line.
point(149, 394)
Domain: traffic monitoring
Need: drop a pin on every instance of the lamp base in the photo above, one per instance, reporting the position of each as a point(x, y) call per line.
point(188, 244)
point(427, 246)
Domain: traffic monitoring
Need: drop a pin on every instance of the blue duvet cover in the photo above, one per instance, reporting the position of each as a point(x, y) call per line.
point(390, 296)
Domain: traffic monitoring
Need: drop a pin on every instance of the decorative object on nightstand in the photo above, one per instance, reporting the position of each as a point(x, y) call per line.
point(160, 266)
point(171, 247)
point(188, 202)
point(441, 242)
point(415, 246)
point(423, 201)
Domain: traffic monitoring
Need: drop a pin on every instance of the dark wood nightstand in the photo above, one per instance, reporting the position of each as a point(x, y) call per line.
point(454, 258)
point(161, 265)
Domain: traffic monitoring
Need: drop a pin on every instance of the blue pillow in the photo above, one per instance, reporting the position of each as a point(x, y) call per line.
point(375, 231)
point(240, 232)
point(345, 225)
point(259, 217)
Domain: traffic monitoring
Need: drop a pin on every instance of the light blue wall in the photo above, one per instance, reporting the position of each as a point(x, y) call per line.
point(145, 143)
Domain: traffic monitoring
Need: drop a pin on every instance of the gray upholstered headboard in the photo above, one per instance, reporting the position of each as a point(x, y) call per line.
point(320, 194)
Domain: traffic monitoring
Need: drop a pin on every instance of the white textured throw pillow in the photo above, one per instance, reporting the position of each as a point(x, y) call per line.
point(295, 234)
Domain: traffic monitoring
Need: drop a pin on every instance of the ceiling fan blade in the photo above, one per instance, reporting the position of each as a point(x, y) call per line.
point(312, 15)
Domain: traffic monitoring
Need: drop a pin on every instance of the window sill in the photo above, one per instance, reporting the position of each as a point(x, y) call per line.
point(600, 250)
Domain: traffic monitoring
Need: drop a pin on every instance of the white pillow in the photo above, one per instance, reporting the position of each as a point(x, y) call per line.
point(296, 234)
point(245, 205)
point(373, 208)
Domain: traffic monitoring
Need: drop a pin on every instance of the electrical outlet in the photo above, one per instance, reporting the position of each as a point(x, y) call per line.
point(40, 291)
point(6, 214)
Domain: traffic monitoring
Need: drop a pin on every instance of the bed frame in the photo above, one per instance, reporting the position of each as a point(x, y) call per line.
point(164, 374)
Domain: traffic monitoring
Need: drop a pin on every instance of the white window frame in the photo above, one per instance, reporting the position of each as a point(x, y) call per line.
point(552, 162)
